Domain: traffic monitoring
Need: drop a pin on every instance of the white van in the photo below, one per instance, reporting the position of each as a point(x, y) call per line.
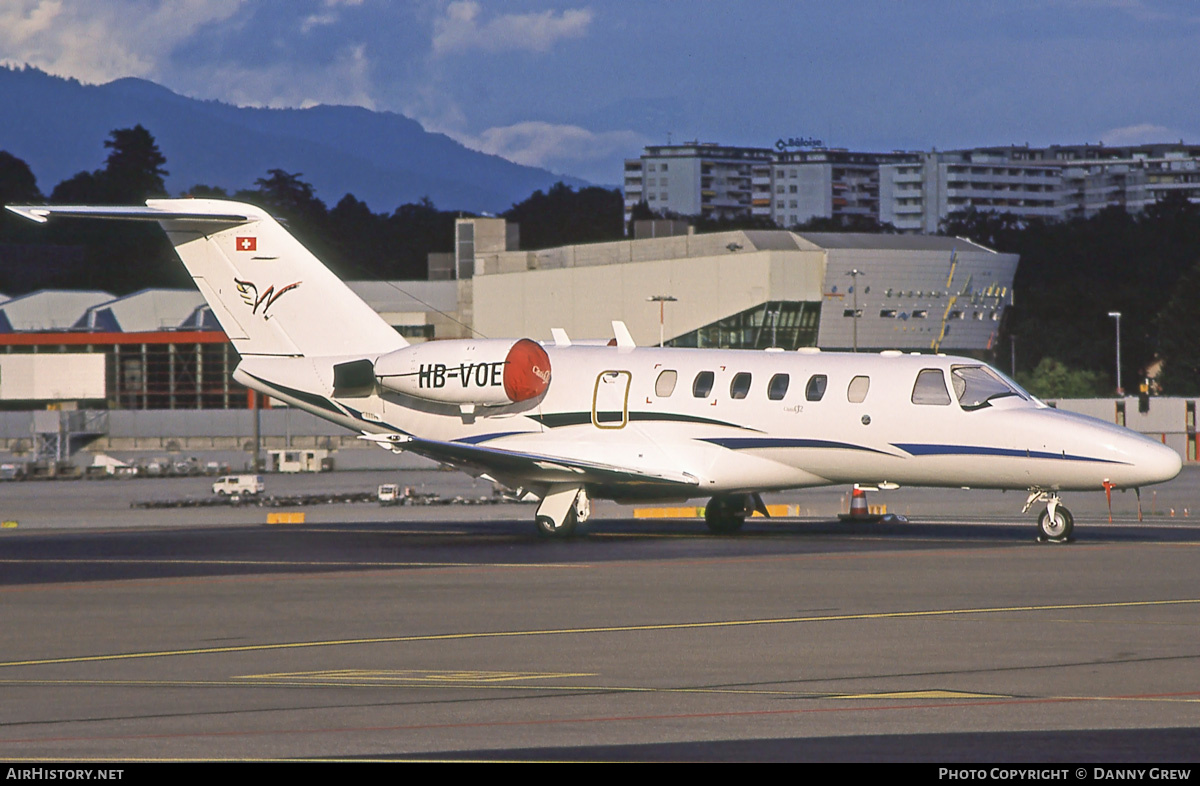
point(237, 485)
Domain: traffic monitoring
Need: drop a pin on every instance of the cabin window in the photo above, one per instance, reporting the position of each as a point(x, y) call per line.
point(930, 388)
point(977, 386)
point(740, 386)
point(703, 384)
point(856, 393)
point(778, 386)
point(665, 384)
point(816, 387)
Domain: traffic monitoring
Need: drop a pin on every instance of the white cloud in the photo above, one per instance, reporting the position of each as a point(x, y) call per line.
point(557, 147)
point(463, 29)
point(321, 20)
point(317, 20)
point(1142, 134)
point(346, 81)
point(99, 42)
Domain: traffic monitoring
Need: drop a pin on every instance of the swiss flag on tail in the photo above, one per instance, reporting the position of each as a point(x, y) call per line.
point(247, 244)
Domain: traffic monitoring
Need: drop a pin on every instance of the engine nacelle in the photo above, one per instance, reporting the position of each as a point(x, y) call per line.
point(486, 372)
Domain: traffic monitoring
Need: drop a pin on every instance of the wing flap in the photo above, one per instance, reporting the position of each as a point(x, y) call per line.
point(533, 467)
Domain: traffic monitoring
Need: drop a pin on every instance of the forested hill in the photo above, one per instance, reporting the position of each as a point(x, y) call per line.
point(384, 159)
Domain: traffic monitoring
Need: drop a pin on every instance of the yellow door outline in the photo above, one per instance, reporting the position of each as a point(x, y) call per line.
point(614, 379)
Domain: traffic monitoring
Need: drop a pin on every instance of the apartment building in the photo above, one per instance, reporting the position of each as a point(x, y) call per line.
point(917, 195)
point(787, 186)
point(913, 191)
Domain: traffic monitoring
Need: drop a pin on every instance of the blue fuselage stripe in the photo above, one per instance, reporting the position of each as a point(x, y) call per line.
point(917, 449)
point(747, 443)
point(478, 438)
point(913, 449)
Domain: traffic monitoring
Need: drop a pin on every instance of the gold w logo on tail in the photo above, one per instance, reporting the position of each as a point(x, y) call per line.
point(250, 296)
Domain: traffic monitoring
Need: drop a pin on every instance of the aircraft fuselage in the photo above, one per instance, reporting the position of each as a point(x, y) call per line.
point(762, 420)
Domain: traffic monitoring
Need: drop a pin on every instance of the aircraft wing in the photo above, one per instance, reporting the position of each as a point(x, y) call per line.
point(535, 468)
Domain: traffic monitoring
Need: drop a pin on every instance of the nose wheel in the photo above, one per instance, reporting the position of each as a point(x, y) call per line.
point(1056, 523)
point(1055, 527)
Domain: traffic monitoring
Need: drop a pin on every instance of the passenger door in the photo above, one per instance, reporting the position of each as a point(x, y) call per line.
point(610, 400)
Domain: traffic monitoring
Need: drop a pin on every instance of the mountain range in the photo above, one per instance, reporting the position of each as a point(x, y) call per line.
point(58, 126)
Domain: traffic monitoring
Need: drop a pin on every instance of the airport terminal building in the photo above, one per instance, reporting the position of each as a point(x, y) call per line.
point(746, 289)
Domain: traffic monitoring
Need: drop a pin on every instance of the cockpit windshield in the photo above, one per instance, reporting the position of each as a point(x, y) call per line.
point(977, 386)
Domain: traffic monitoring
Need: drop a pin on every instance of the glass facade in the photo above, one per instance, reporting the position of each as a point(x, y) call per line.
point(788, 324)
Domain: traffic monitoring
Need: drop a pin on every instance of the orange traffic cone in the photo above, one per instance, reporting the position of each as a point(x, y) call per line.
point(858, 508)
point(858, 504)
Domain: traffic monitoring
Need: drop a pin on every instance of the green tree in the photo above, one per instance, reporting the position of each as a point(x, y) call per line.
point(358, 239)
point(17, 183)
point(563, 216)
point(998, 231)
point(285, 195)
point(121, 256)
point(852, 223)
point(134, 170)
point(415, 230)
point(1179, 337)
point(706, 224)
point(201, 191)
point(132, 173)
point(80, 188)
point(640, 212)
point(1053, 379)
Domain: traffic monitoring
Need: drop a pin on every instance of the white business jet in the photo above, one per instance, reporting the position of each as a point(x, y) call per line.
point(573, 422)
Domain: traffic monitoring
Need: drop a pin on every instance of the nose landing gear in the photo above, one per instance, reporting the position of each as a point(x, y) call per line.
point(1056, 523)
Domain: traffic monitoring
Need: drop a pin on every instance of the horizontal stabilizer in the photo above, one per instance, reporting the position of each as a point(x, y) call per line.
point(41, 213)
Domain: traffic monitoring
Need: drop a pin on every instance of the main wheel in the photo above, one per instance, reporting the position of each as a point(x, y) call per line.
point(1056, 528)
point(725, 514)
point(547, 528)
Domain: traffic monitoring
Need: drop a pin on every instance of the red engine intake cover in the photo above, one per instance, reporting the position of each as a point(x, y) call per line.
point(526, 371)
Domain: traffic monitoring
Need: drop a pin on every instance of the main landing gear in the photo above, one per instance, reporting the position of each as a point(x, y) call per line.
point(562, 512)
point(726, 513)
point(1056, 523)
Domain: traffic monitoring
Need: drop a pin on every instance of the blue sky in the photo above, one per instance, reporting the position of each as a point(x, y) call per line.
point(578, 86)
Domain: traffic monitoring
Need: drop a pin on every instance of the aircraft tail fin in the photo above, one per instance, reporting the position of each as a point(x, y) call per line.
point(269, 293)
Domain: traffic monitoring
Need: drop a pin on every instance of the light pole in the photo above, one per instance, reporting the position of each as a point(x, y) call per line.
point(1117, 316)
point(854, 274)
point(661, 300)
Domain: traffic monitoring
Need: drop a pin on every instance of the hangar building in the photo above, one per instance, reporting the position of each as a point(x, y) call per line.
point(743, 289)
